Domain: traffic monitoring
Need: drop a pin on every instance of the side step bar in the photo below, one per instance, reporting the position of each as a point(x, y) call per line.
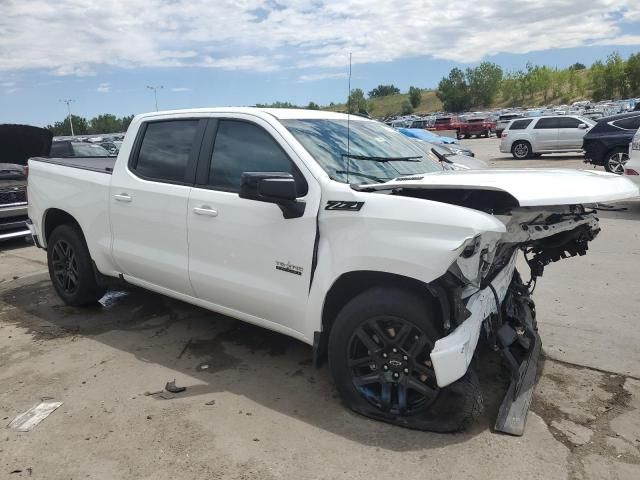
point(512, 416)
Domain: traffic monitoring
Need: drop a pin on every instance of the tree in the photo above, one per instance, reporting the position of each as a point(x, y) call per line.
point(384, 91)
point(577, 66)
point(484, 83)
point(105, 123)
point(80, 126)
point(632, 72)
point(356, 103)
point(453, 92)
point(313, 106)
point(415, 96)
point(598, 83)
point(125, 122)
point(407, 107)
point(615, 79)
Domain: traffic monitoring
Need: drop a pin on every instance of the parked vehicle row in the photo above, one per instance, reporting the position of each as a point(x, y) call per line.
point(339, 232)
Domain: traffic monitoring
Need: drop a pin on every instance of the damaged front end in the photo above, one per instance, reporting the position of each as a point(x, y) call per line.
point(489, 297)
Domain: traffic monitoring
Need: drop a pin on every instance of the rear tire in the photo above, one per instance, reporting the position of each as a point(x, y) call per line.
point(379, 355)
point(521, 150)
point(70, 267)
point(615, 160)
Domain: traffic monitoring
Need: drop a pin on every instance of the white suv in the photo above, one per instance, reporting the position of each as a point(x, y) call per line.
point(632, 167)
point(531, 137)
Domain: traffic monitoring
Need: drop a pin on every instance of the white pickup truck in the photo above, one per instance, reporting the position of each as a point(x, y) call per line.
point(337, 231)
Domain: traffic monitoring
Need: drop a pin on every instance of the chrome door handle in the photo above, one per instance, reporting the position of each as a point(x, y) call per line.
point(205, 210)
point(122, 197)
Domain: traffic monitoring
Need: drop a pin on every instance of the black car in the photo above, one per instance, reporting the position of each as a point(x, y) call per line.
point(607, 143)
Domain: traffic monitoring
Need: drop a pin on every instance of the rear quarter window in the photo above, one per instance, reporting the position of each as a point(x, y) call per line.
point(631, 123)
point(520, 124)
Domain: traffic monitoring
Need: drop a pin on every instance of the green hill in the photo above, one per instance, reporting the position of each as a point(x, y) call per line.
point(392, 104)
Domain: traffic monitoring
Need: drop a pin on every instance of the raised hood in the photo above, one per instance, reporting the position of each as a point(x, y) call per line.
point(529, 187)
point(20, 142)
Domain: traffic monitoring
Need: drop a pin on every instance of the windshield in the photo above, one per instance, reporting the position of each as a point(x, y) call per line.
point(89, 150)
point(326, 141)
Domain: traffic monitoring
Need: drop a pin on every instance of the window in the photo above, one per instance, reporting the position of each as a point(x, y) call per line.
point(631, 123)
point(81, 149)
point(568, 122)
point(244, 147)
point(545, 123)
point(520, 124)
point(60, 149)
point(165, 150)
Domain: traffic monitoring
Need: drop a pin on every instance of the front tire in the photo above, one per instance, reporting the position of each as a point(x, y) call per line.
point(70, 267)
point(521, 150)
point(615, 161)
point(379, 355)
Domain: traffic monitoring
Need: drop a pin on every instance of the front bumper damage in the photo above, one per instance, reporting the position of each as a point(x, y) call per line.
point(506, 311)
point(495, 300)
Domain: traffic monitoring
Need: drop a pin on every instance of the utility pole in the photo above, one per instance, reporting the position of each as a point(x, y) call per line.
point(68, 102)
point(155, 93)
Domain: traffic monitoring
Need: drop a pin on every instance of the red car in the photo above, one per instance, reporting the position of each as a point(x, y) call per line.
point(478, 127)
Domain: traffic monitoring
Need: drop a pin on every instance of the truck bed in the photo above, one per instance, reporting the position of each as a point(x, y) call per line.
point(95, 164)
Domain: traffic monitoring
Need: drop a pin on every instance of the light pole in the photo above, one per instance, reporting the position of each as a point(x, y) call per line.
point(155, 93)
point(68, 102)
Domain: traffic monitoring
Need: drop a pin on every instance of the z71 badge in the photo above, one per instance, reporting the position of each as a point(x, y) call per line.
point(344, 205)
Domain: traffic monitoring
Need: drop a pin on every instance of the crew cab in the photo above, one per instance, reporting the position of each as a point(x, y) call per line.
point(337, 231)
point(478, 127)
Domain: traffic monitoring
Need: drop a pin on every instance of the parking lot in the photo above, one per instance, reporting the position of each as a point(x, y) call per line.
point(255, 407)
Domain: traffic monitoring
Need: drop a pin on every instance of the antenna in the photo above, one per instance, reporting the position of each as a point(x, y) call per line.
point(348, 118)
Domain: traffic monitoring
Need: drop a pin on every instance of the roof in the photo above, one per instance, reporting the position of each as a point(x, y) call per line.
point(618, 116)
point(279, 113)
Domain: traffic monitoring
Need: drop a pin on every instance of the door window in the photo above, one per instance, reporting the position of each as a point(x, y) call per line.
point(568, 122)
point(545, 123)
point(245, 147)
point(520, 124)
point(165, 150)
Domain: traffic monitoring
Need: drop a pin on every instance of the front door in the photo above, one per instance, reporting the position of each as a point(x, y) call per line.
point(244, 255)
point(148, 204)
point(569, 133)
point(545, 133)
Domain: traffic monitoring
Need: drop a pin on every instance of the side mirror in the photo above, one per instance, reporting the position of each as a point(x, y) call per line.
point(583, 126)
point(272, 187)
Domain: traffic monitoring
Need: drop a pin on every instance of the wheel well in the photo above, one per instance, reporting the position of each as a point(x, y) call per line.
point(351, 284)
point(56, 217)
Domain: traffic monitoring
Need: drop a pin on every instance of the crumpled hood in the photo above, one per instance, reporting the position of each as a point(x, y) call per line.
point(530, 187)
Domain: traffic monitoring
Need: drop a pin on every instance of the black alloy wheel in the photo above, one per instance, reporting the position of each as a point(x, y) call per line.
point(390, 365)
point(65, 267)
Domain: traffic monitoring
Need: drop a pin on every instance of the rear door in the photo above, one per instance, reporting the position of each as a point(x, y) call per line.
point(545, 134)
point(148, 203)
point(569, 133)
point(244, 255)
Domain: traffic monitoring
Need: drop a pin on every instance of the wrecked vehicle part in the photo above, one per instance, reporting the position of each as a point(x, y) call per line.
point(498, 302)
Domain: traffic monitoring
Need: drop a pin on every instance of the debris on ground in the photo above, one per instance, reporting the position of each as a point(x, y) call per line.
point(210, 402)
point(27, 421)
point(148, 394)
point(172, 388)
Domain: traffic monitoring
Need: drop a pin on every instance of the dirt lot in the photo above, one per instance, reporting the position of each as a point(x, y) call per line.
point(255, 408)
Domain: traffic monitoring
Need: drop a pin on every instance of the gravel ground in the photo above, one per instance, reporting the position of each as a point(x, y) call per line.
point(255, 408)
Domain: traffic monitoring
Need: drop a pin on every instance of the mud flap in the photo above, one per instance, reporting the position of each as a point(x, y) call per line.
point(512, 416)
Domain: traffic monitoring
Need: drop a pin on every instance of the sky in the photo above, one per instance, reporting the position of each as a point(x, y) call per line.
point(103, 54)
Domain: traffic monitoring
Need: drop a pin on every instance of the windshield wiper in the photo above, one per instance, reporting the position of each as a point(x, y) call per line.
point(382, 159)
point(363, 175)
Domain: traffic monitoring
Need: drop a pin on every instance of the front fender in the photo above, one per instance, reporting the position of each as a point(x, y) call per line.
point(410, 237)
